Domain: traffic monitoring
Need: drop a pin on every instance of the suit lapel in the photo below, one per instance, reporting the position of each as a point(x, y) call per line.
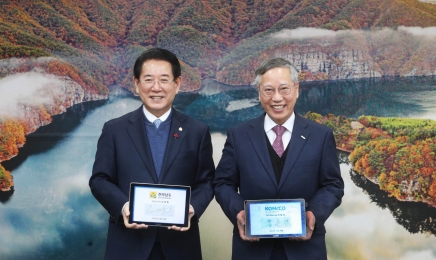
point(176, 136)
point(300, 134)
point(258, 140)
point(139, 138)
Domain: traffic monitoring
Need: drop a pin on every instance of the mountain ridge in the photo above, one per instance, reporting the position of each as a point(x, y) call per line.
point(106, 28)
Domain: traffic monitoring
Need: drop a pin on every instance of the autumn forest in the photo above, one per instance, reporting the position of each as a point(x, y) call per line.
point(92, 44)
point(398, 154)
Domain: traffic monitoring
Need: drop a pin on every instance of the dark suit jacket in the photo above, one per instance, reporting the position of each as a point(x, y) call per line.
point(124, 156)
point(311, 171)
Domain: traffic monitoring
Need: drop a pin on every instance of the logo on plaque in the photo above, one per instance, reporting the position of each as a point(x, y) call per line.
point(153, 194)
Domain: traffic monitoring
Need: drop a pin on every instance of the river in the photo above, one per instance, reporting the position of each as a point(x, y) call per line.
point(52, 214)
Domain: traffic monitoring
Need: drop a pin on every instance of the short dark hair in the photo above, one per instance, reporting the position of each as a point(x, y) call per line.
point(157, 54)
point(272, 64)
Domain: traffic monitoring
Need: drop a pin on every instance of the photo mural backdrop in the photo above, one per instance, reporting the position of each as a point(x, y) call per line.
point(367, 70)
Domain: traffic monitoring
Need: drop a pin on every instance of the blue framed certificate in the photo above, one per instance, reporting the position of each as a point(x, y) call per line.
point(275, 218)
point(159, 204)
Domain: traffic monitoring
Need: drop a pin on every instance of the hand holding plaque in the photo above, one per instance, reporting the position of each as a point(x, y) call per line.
point(126, 214)
point(310, 226)
point(191, 214)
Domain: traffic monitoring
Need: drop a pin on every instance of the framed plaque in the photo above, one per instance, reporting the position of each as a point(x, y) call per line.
point(159, 204)
point(275, 218)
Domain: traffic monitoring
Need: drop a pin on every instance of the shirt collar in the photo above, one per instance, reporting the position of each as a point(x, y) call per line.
point(150, 117)
point(269, 123)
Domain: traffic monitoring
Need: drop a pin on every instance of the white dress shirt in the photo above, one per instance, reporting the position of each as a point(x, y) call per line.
point(150, 117)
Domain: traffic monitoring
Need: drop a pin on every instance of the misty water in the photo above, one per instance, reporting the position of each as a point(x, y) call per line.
point(52, 214)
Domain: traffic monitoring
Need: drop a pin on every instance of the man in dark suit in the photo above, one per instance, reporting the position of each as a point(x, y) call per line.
point(279, 155)
point(153, 144)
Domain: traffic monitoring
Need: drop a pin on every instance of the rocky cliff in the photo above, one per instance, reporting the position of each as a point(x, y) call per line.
point(323, 63)
point(326, 55)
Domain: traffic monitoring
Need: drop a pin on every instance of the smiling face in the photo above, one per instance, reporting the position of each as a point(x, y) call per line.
point(278, 107)
point(157, 98)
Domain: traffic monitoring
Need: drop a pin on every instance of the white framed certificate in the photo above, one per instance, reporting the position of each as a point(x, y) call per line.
point(159, 204)
point(275, 218)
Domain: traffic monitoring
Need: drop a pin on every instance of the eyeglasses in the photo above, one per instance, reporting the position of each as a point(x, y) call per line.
point(162, 82)
point(283, 90)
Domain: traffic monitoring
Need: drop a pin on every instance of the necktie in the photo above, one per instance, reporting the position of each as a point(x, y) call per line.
point(157, 123)
point(278, 142)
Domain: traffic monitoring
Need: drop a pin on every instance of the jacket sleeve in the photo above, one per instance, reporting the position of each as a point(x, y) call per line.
point(202, 190)
point(331, 186)
point(226, 181)
point(103, 181)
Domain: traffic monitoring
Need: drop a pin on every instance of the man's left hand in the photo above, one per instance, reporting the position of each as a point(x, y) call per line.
point(191, 213)
point(310, 226)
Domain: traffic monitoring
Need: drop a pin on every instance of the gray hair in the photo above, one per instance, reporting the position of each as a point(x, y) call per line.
point(275, 63)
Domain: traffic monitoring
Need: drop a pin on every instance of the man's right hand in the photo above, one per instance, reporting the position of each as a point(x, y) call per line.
point(126, 214)
point(240, 218)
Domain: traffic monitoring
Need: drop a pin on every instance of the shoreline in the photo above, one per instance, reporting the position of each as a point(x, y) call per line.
point(43, 123)
point(35, 116)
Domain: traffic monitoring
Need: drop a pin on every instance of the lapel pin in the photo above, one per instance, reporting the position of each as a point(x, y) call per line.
point(303, 137)
point(180, 129)
point(176, 135)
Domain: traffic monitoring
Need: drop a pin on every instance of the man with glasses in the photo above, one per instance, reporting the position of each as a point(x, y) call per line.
point(153, 144)
point(279, 155)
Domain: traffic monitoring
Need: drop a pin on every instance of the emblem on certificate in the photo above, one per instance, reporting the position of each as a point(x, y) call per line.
point(159, 204)
point(275, 218)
